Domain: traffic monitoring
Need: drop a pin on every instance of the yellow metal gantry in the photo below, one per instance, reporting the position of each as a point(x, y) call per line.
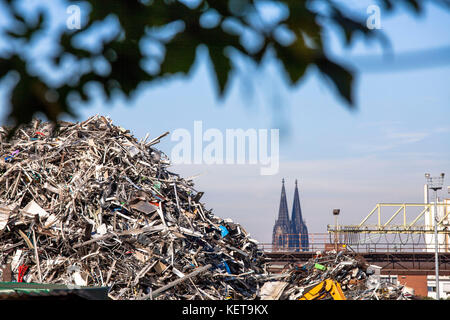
point(387, 226)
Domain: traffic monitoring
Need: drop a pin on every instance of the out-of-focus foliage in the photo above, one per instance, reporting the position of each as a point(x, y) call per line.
point(218, 25)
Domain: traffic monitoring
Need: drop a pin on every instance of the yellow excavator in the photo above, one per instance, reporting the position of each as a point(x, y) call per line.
point(321, 291)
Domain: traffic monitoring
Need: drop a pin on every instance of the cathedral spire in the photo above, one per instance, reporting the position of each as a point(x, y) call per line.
point(297, 219)
point(298, 226)
point(282, 225)
point(283, 213)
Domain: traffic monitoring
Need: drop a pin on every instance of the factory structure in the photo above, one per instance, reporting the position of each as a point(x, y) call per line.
point(439, 212)
point(409, 221)
point(436, 213)
point(443, 216)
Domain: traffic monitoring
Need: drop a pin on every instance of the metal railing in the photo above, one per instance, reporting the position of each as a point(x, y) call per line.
point(372, 243)
point(293, 242)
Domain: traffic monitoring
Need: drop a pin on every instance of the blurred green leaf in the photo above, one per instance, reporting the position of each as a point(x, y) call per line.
point(295, 59)
point(222, 66)
point(180, 55)
point(341, 78)
point(139, 21)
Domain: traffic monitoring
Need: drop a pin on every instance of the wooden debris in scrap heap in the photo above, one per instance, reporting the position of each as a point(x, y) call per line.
point(90, 205)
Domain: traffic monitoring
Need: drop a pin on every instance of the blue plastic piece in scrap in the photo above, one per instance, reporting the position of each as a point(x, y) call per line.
point(225, 266)
point(224, 231)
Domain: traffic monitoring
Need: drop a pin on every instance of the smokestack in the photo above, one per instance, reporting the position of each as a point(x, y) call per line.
point(425, 194)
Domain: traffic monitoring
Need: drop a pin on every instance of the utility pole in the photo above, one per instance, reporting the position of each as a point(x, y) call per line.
point(435, 183)
point(336, 213)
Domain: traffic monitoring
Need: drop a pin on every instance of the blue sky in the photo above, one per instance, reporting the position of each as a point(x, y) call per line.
point(342, 159)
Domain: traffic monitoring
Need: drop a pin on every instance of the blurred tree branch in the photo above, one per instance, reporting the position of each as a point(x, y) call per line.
point(125, 55)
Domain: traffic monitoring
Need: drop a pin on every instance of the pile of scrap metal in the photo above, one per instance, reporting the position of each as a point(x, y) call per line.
point(331, 275)
point(87, 204)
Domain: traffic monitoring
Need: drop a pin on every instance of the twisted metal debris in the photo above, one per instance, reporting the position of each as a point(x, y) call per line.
point(357, 279)
point(87, 204)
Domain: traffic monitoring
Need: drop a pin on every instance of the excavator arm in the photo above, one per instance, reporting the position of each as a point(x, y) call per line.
point(321, 290)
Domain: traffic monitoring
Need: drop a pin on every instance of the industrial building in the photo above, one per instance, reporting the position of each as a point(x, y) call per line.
point(403, 245)
point(425, 284)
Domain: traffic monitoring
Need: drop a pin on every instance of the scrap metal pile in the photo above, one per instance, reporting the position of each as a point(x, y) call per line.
point(357, 279)
point(87, 204)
